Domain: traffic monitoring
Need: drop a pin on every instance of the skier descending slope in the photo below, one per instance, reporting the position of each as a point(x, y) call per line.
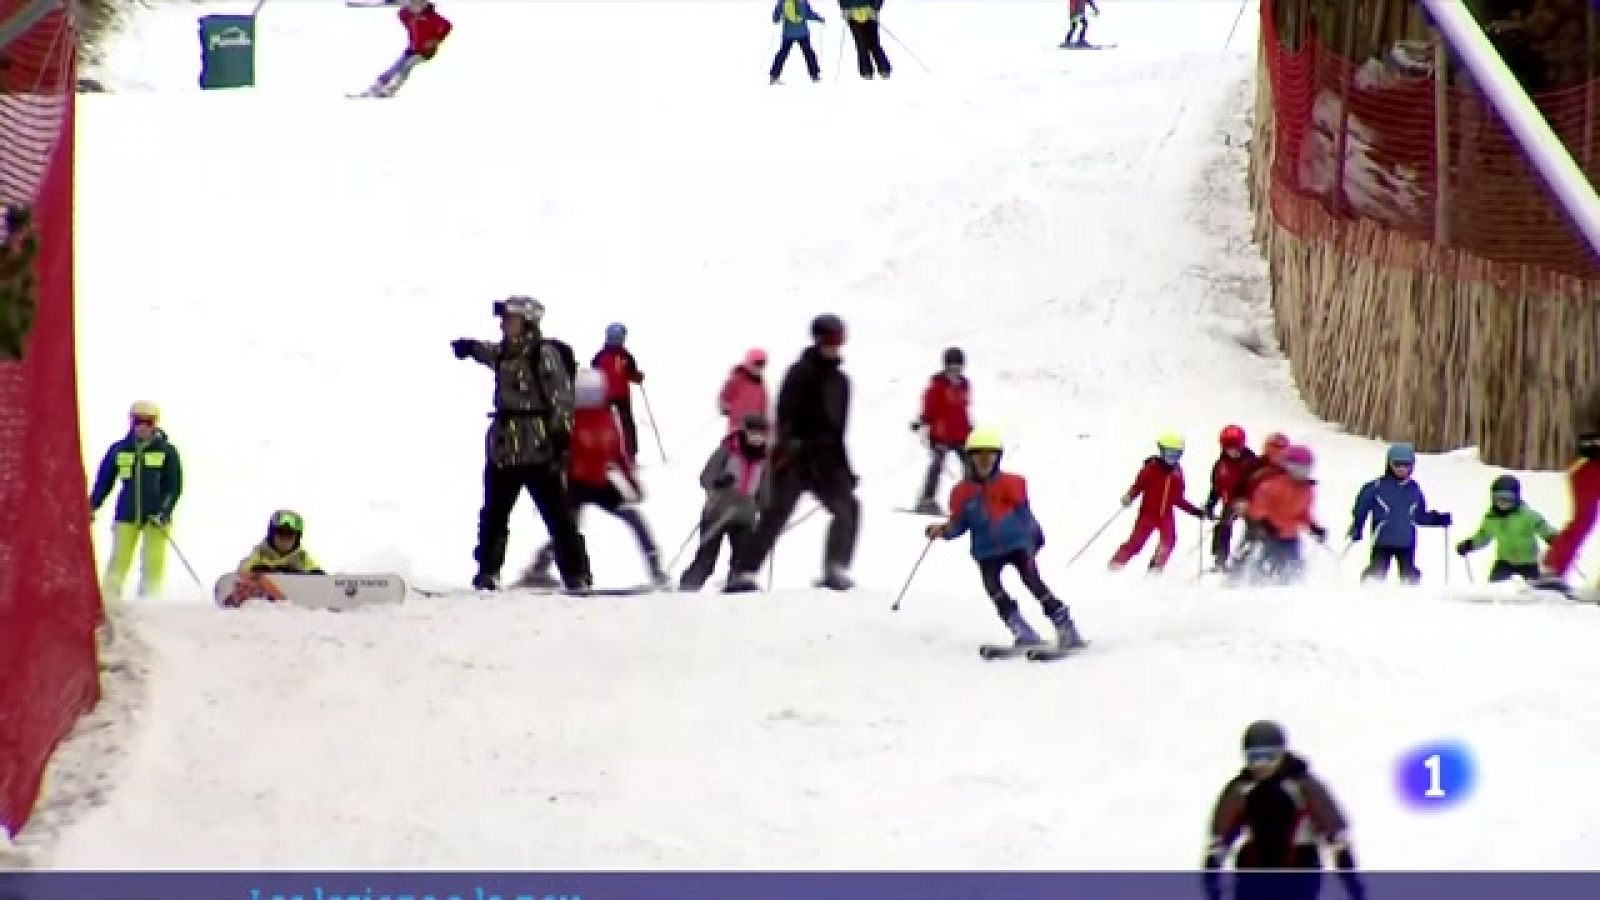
point(1160, 484)
point(1282, 507)
point(1078, 30)
point(737, 482)
point(993, 507)
point(813, 412)
point(1288, 815)
point(527, 444)
point(599, 472)
point(1515, 528)
point(945, 414)
point(425, 31)
point(1584, 478)
point(1228, 473)
point(795, 16)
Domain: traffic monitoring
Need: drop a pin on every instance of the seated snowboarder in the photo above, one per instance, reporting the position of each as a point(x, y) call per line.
point(283, 550)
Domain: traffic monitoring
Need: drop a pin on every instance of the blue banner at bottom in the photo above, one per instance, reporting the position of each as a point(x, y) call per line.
point(782, 886)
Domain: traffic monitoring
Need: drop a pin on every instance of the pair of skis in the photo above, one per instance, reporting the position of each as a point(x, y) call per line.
point(1030, 652)
point(637, 590)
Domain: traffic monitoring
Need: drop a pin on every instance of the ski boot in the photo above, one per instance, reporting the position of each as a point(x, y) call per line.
point(539, 577)
point(1067, 636)
point(486, 581)
point(659, 579)
point(836, 579)
point(1023, 635)
point(741, 583)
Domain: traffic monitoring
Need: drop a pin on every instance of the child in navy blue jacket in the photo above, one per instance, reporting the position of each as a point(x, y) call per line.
point(1396, 506)
point(993, 506)
point(796, 16)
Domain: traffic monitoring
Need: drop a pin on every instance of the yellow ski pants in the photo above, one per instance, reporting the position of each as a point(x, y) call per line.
point(152, 558)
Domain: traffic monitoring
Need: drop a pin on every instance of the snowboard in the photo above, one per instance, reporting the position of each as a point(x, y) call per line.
point(338, 591)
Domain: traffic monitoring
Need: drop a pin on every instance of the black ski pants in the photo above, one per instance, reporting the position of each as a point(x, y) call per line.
point(1021, 560)
point(607, 497)
point(712, 534)
point(869, 49)
point(936, 458)
point(812, 68)
point(547, 486)
point(1404, 557)
point(630, 431)
point(1505, 571)
point(835, 491)
point(1222, 535)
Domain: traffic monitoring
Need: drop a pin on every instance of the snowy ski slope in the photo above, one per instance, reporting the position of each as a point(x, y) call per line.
point(282, 270)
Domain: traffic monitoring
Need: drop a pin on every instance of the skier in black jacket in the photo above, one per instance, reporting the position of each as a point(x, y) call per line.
point(813, 411)
point(1286, 816)
point(528, 442)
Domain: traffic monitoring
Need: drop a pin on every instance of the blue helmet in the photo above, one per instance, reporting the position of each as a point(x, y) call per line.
point(1402, 453)
point(616, 333)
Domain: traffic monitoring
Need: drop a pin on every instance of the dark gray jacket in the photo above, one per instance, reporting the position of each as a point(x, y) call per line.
point(532, 401)
point(736, 488)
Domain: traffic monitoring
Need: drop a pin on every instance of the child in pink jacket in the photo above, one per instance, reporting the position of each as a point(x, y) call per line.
point(744, 392)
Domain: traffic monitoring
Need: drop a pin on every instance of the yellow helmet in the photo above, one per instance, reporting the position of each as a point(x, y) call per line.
point(144, 409)
point(1170, 441)
point(984, 439)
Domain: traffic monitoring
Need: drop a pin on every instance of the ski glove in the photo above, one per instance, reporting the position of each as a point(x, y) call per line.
point(725, 480)
point(462, 347)
point(1444, 520)
point(159, 520)
point(1320, 533)
point(1464, 548)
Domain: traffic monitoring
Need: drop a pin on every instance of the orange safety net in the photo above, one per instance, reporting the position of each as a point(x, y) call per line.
point(1362, 142)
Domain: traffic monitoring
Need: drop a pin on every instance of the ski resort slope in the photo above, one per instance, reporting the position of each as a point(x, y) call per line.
point(282, 270)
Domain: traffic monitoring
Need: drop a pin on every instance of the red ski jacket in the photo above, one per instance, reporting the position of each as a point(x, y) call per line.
point(944, 410)
point(425, 30)
point(1228, 475)
point(1584, 478)
point(622, 372)
point(597, 448)
point(1160, 488)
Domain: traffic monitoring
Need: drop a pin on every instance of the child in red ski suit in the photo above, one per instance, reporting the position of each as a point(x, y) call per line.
point(1227, 487)
point(425, 31)
point(622, 373)
point(946, 415)
point(1160, 484)
point(1584, 479)
point(599, 473)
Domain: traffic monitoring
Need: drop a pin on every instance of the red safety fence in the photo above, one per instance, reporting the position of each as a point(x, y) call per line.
point(1362, 140)
point(49, 598)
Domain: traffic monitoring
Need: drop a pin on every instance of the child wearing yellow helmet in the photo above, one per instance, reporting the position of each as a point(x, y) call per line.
point(1160, 485)
point(282, 550)
point(992, 506)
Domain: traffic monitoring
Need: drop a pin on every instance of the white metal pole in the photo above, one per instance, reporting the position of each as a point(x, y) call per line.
point(1538, 140)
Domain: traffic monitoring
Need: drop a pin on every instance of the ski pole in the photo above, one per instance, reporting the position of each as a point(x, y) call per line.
point(167, 533)
point(839, 62)
point(772, 558)
point(915, 566)
point(1096, 536)
point(1236, 17)
point(647, 411)
point(885, 29)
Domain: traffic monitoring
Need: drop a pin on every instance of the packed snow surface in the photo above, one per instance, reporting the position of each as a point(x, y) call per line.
point(282, 270)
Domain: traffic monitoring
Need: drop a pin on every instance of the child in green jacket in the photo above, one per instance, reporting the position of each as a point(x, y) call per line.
point(1515, 528)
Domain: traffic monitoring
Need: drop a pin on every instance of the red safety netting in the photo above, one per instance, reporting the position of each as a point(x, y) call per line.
point(1381, 119)
point(49, 598)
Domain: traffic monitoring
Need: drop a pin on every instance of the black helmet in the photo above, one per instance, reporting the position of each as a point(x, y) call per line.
point(1506, 484)
point(954, 357)
point(1264, 735)
point(827, 328)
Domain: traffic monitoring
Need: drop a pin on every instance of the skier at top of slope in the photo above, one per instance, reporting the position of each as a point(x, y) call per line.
point(426, 29)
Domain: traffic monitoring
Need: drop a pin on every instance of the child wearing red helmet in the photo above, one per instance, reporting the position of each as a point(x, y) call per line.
point(1228, 473)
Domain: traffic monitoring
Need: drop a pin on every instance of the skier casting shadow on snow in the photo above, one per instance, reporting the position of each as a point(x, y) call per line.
point(1289, 815)
point(527, 444)
point(813, 411)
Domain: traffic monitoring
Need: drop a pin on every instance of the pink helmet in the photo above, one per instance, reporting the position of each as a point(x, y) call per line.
point(1298, 461)
point(755, 356)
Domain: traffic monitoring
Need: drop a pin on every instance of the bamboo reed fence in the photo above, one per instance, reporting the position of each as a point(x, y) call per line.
point(1397, 337)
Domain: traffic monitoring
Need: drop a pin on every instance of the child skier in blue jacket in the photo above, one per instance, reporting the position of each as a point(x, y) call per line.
point(993, 506)
point(1396, 506)
point(796, 16)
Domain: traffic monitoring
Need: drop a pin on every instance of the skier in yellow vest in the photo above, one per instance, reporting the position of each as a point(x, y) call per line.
point(146, 464)
point(796, 16)
point(862, 16)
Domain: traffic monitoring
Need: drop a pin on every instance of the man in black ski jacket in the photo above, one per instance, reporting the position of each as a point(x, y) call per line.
point(528, 442)
point(810, 456)
point(1286, 815)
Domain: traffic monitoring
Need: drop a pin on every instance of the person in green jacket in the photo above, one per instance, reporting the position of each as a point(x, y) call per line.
point(147, 466)
point(1516, 530)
